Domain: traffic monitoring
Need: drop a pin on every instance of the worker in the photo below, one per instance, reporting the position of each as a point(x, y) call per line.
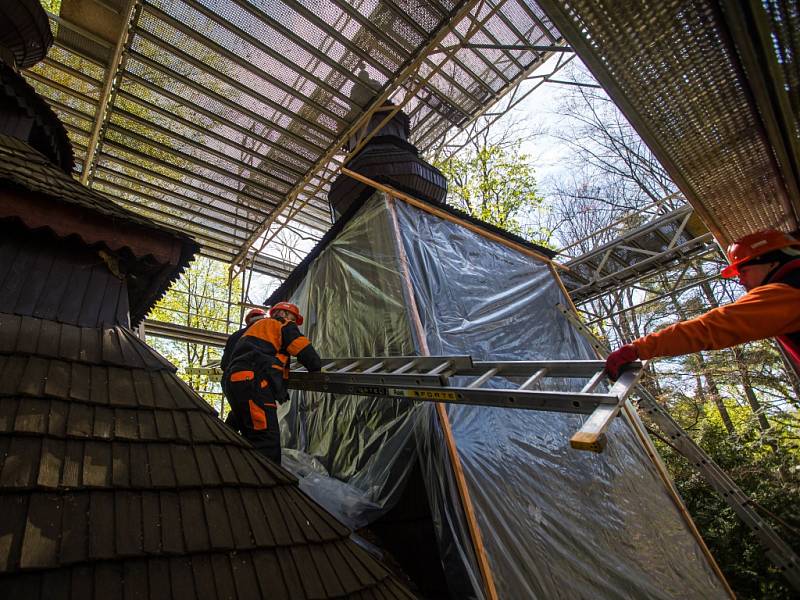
point(767, 264)
point(255, 376)
point(251, 317)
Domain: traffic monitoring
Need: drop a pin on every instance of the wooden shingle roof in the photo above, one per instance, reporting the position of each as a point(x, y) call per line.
point(118, 481)
point(36, 192)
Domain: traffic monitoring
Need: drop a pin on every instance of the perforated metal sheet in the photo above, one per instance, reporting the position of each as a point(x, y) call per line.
point(219, 112)
point(676, 70)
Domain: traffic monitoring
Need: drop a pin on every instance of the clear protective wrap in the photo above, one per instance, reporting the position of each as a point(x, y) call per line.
point(352, 453)
point(555, 522)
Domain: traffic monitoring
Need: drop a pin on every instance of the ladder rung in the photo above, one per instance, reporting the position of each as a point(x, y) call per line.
point(349, 367)
point(442, 367)
point(376, 367)
point(404, 368)
point(327, 366)
point(484, 378)
point(593, 382)
point(530, 381)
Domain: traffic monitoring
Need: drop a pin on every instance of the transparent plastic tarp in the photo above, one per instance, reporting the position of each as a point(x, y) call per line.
point(353, 303)
point(555, 522)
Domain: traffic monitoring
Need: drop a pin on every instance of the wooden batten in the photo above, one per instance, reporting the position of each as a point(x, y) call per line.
point(444, 421)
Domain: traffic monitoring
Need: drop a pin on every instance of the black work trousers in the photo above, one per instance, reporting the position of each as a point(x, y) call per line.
point(252, 401)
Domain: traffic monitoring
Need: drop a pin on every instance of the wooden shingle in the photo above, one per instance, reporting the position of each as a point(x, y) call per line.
point(103, 465)
point(42, 531)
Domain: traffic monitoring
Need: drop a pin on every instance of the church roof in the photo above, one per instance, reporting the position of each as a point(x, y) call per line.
point(40, 194)
point(117, 480)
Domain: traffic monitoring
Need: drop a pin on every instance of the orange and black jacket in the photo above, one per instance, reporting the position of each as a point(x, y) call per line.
point(265, 347)
point(227, 354)
point(769, 310)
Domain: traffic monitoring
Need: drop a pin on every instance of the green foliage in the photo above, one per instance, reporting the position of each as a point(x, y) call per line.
point(198, 299)
point(52, 6)
point(495, 183)
point(769, 475)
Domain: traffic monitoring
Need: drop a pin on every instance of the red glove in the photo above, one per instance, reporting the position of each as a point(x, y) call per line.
point(619, 358)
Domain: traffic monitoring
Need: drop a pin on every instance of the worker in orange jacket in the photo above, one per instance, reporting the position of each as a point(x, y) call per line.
point(767, 264)
point(251, 317)
point(254, 380)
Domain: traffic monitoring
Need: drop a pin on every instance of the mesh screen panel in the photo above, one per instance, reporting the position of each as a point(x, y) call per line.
point(674, 65)
point(223, 110)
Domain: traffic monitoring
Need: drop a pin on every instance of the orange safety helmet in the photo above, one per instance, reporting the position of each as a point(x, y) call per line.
point(288, 307)
point(254, 314)
point(754, 245)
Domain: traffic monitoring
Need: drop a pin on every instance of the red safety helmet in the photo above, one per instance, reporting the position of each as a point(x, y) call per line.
point(754, 245)
point(288, 307)
point(254, 314)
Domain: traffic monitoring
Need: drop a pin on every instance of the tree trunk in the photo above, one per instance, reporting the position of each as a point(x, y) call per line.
point(758, 411)
point(791, 375)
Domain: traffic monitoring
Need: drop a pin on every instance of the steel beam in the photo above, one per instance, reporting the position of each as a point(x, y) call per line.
point(113, 69)
point(182, 333)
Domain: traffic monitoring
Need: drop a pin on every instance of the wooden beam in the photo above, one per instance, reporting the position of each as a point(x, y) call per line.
point(592, 435)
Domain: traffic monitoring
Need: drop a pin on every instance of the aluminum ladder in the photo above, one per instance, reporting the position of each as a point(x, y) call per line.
point(505, 384)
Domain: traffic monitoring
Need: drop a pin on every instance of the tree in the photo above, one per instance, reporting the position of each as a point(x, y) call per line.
point(493, 180)
point(739, 404)
point(199, 299)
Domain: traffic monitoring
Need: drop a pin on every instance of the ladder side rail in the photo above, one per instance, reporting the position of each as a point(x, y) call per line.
point(435, 388)
point(524, 368)
point(779, 551)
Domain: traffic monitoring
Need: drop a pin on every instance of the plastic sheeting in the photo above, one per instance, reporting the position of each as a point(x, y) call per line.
point(555, 522)
point(353, 303)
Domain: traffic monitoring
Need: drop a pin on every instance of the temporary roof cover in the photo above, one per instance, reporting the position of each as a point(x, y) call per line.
point(555, 522)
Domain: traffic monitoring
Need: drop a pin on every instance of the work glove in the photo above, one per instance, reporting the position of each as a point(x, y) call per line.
point(619, 358)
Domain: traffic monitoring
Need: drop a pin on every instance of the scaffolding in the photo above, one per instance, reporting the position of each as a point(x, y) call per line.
point(229, 123)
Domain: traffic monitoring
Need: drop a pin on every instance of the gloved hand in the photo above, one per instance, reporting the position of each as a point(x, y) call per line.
point(619, 358)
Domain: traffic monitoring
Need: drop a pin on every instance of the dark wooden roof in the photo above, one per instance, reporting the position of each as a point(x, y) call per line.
point(30, 170)
point(38, 193)
point(27, 115)
point(116, 480)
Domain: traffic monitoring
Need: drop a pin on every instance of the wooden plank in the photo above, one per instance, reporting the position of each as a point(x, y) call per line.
point(74, 544)
point(592, 435)
point(193, 516)
point(42, 532)
point(444, 421)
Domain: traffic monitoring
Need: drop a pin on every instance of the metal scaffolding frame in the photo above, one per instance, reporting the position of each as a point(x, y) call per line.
point(229, 123)
point(630, 255)
point(661, 243)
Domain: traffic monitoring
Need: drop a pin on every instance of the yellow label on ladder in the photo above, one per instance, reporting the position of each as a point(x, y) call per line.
point(423, 394)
